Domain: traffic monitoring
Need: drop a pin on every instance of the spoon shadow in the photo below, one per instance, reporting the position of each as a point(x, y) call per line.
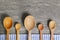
point(24, 14)
point(15, 23)
point(3, 16)
point(48, 21)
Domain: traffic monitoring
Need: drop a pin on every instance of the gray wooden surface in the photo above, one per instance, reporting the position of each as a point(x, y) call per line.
point(42, 10)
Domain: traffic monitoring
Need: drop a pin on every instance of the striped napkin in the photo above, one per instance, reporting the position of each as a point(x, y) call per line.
point(24, 37)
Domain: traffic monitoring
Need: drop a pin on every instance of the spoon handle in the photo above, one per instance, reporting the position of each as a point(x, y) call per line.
point(7, 35)
point(29, 35)
point(52, 37)
point(17, 33)
point(40, 35)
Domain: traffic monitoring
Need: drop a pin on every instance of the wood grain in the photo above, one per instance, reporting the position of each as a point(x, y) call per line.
point(42, 10)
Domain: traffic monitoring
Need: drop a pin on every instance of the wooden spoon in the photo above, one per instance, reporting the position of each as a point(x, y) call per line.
point(40, 28)
point(7, 22)
point(29, 23)
point(52, 28)
point(17, 26)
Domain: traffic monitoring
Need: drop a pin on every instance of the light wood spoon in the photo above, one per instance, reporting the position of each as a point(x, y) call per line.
point(7, 22)
point(40, 28)
point(17, 26)
point(29, 23)
point(52, 28)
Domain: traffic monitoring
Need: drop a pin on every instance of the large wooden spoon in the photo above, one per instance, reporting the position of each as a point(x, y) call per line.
point(7, 22)
point(29, 23)
point(52, 28)
point(40, 28)
point(17, 26)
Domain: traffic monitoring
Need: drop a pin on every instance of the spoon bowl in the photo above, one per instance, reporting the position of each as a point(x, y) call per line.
point(40, 27)
point(7, 22)
point(29, 22)
point(17, 26)
point(52, 25)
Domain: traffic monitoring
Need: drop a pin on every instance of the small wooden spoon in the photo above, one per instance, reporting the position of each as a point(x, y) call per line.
point(29, 23)
point(52, 28)
point(7, 22)
point(40, 28)
point(17, 26)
